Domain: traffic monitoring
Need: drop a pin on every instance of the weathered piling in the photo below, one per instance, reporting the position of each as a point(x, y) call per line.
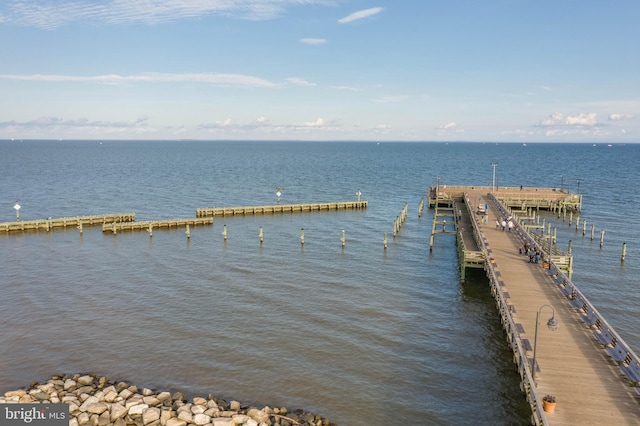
point(261, 236)
point(343, 239)
point(384, 240)
point(224, 232)
point(624, 252)
point(302, 236)
point(601, 238)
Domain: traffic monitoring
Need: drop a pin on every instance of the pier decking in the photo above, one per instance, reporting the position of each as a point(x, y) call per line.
point(280, 208)
point(585, 364)
point(64, 222)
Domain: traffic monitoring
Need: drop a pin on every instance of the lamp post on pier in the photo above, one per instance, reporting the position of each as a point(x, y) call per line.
point(17, 207)
point(493, 182)
point(553, 325)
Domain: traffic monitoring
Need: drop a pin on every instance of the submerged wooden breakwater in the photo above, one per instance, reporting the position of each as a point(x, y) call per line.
point(280, 208)
point(64, 222)
point(155, 224)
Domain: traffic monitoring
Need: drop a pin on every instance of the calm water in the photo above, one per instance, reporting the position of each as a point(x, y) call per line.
point(360, 335)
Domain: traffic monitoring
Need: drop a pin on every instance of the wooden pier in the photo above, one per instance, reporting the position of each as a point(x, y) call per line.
point(64, 222)
point(280, 208)
point(593, 374)
point(155, 224)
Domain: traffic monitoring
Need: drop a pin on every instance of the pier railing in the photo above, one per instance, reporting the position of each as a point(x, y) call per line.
point(511, 329)
point(610, 341)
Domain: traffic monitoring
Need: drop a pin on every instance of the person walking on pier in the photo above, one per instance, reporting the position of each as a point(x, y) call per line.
point(497, 224)
point(503, 224)
point(510, 225)
point(444, 225)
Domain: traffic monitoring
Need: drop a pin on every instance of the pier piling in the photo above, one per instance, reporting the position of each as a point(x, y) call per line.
point(624, 252)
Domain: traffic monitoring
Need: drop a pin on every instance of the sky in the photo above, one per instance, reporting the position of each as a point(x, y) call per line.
point(387, 70)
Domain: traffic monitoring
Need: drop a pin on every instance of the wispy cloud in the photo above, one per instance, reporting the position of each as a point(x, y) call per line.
point(55, 125)
point(361, 14)
point(313, 41)
point(51, 14)
point(211, 78)
point(296, 81)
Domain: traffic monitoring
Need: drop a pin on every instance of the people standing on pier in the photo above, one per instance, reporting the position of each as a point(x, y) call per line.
point(503, 224)
point(497, 224)
point(510, 225)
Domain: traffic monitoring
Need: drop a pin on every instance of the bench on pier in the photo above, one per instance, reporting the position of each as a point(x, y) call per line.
point(605, 337)
point(631, 369)
point(578, 302)
point(590, 319)
point(567, 290)
point(617, 352)
point(527, 345)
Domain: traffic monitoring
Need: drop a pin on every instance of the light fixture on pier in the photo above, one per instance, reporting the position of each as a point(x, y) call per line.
point(17, 207)
point(493, 182)
point(553, 325)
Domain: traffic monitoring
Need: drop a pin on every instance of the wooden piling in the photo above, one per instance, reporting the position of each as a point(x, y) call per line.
point(593, 231)
point(188, 232)
point(601, 238)
point(343, 239)
point(624, 252)
point(384, 240)
point(261, 236)
point(584, 228)
point(80, 226)
point(302, 236)
point(224, 232)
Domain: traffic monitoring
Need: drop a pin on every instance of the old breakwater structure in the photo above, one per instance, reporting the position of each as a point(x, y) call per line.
point(96, 400)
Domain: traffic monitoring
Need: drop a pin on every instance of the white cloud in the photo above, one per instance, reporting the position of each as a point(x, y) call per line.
point(361, 14)
point(582, 119)
point(313, 41)
point(300, 82)
point(211, 78)
point(618, 117)
point(449, 128)
point(51, 14)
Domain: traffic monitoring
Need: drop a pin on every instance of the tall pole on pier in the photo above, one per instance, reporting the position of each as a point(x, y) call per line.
point(493, 182)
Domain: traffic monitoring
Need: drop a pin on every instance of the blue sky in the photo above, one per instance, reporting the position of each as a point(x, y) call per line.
point(403, 70)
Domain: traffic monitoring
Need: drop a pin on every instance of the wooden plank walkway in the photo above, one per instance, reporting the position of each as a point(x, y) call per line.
point(280, 208)
point(589, 387)
point(64, 222)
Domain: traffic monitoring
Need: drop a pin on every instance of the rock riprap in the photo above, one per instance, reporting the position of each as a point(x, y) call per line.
point(96, 401)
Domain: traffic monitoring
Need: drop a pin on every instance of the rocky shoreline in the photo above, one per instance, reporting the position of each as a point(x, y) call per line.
point(96, 401)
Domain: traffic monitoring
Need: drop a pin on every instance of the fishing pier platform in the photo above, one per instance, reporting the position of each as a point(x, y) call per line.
point(579, 358)
point(281, 208)
point(65, 222)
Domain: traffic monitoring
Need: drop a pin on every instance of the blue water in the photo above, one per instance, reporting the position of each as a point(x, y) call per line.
point(358, 334)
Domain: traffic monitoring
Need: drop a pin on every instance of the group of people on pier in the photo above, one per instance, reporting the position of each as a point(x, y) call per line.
point(505, 223)
point(533, 253)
